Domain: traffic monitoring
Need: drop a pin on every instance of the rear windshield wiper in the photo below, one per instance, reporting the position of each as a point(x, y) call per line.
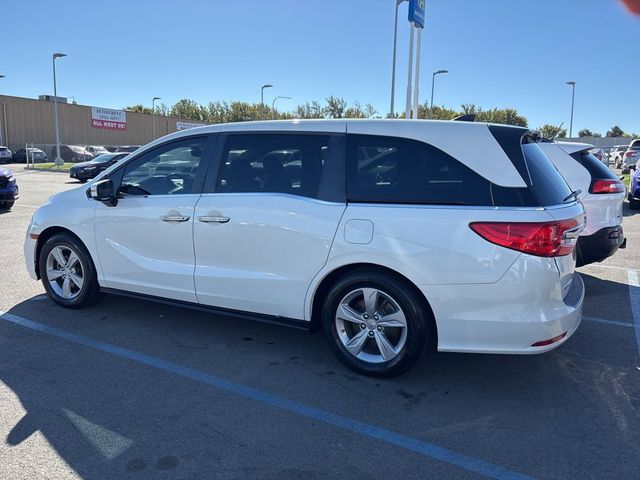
point(573, 194)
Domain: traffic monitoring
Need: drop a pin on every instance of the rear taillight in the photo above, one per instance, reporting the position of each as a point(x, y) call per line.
point(543, 239)
point(629, 154)
point(606, 186)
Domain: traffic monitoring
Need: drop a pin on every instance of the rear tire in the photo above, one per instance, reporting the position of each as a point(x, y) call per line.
point(367, 313)
point(67, 272)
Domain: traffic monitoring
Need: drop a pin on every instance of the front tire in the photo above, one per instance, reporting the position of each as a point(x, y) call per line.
point(376, 323)
point(634, 204)
point(67, 272)
point(6, 205)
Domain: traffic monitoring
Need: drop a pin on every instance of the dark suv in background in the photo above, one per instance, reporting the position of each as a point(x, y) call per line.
point(9, 191)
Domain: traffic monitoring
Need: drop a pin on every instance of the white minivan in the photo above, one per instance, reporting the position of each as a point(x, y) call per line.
point(392, 236)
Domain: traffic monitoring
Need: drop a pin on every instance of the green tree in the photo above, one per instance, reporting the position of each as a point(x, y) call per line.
point(139, 108)
point(552, 131)
point(585, 132)
point(335, 107)
point(436, 113)
point(505, 116)
point(190, 109)
point(615, 131)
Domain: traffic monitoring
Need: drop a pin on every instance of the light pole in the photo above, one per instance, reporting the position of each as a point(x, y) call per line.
point(407, 112)
point(573, 97)
point(55, 106)
point(273, 104)
point(433, 81)
point(1, 126)
point(266, 85)
point(153, 114)
point(393, 65)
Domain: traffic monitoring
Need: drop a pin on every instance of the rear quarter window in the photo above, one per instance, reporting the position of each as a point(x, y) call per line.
point(595, 167)
point(383, 169)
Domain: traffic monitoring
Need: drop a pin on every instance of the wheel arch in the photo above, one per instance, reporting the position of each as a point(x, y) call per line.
point(45, 235)
point(331, 277)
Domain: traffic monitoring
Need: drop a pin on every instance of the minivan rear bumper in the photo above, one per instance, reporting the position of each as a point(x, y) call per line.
point(599, 245)
point(524, 308)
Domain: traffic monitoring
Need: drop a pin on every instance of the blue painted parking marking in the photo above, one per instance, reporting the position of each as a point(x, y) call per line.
point(409, 443)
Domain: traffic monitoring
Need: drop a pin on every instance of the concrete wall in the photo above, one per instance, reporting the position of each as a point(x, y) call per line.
point(32, 121)
point(604, 142)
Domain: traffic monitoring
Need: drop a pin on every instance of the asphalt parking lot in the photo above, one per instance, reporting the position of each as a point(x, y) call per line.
point(132, 389)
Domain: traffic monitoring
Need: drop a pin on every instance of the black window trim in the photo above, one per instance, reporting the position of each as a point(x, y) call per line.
point(338, 195)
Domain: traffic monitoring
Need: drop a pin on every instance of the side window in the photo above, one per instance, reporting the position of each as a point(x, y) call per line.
point(275, 162)
point(398, 170)
point(166, 170)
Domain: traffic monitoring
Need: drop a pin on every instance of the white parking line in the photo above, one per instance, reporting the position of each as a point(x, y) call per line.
point(24, 206)
point(634, 297)
point(608, 322)
point(610, 267)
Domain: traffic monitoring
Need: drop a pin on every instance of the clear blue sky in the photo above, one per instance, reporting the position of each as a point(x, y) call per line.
point(500, 53)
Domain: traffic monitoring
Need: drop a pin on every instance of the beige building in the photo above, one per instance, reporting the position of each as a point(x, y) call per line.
point(26, 120)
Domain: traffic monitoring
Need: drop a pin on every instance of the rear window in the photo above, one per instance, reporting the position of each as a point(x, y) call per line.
point(595, 167)
point(545, 185)
point(3, 149)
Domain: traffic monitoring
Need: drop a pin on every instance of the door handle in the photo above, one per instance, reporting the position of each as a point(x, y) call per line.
point(211, 219)
point(175, 218)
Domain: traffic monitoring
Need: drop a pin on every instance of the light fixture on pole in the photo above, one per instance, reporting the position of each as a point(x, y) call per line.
point(153, 114)
point(58, 160)
point(573, 97)
point(433, 82)
point(393, 64)
point(266, 85)
point(273, 104)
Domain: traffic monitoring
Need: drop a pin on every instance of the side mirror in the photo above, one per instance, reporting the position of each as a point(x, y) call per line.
point(104, 191)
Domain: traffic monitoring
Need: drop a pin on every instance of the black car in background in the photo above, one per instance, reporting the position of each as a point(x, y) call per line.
point(20, 156)
point(87, 170)
point(72, 153)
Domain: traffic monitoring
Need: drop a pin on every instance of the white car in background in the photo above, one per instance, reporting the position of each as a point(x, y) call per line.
point(631, 157)
point(392, 236)
point(96, 150)
point(602, 194)
point(616, 154)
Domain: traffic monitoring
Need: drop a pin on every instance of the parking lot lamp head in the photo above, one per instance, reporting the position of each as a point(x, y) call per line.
point(433, 81)
point(266, 85)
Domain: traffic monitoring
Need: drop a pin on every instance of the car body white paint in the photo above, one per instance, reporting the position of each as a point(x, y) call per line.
point(602, 210)
point(273, 254)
